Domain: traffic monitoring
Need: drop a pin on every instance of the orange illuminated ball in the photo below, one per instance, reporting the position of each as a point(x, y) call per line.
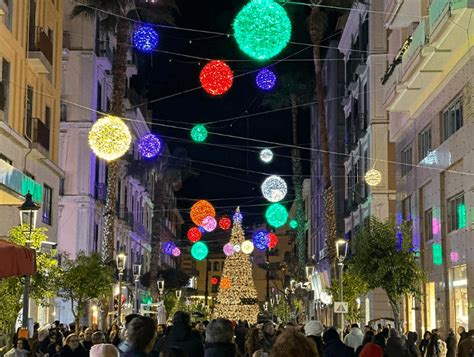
point(200, 210)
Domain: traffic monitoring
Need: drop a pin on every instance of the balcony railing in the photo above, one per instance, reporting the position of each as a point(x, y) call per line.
point(41, 42)
point(20, 183)
point(437, 9)
point(38, 132)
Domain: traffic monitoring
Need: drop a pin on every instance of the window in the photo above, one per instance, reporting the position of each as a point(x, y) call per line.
point(406, 209)
point(61, 186)
point(47, 117)
point(95, 243)
point(452, 118)
point(4, 89)
point(406, 161)
point(216, 266)
point(63, 113)
point(456, 213)
point(99, 97)
point(47, 204)
point(428, 225)
point(424, 143)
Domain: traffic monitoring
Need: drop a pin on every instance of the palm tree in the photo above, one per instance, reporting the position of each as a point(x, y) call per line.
point(114, 17)
point(292, 91)
point(318, 26)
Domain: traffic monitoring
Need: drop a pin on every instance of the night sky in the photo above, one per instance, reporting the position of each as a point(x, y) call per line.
point(166, 74)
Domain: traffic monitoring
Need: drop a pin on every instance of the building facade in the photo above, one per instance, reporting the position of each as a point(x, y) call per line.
point(30, 85)
point(429, 95)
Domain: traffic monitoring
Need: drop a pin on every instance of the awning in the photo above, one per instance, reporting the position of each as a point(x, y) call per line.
point(16, 260)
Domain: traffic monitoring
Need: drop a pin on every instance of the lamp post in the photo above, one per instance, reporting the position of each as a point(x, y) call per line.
point(341, 253)
point(28, 214)
point(161, 286)
point(121, 260)
point(137, 268)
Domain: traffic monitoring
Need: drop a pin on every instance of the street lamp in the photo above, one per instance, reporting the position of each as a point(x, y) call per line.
point(121, 260)
point(341, 254)
point(28, 214)
point(309, 271)
point(161, 285)
point(178, 294)
point(137, 268)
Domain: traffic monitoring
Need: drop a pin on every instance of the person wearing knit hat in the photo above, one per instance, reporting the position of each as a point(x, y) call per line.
point(104, 350)
point(314, 331)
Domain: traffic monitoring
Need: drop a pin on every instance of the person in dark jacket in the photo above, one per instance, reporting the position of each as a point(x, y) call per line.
point(466, 346)
point(181, 335)
point(269, 336)
point(395, 345)
point(314, 331)
point(219, 335)
point(334, 347)
point(462, 334)
point(425, 342)
point(412, 349)
point(368, 337)
point(241, 331)
point(87, 343)
point(72, 347)
point(141, 337)
point(451, 344)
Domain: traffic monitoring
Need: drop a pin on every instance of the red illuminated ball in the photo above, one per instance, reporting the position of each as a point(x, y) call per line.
point(225, 223)
point(272, 240)
point(214, 281)
point(216, 77)
point(194, 234)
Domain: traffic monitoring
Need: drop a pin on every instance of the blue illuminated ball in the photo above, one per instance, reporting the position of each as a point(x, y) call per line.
point(265, 79)
point(260, 240)
point(168, 247)
point(149, 146)
point(145, 38)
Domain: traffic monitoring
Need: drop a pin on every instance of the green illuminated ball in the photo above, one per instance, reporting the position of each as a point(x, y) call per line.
point(276, 215)
point(293, 224)
point(199, 133)
point(199, 251)
point(262, 29)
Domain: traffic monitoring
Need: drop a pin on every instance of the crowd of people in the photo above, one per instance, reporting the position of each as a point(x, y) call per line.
point(142, 337)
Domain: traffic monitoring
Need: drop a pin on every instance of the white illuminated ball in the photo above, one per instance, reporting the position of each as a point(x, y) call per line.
point(247, 247)
point(266, 155)
point(274, 188)
point(237, 248)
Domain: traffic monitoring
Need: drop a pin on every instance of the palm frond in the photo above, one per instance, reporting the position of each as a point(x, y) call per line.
point(83, 10)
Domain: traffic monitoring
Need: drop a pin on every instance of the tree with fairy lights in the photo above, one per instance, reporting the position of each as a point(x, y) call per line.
point(237, 296)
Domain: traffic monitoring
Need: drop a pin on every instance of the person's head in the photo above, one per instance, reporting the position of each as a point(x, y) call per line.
point(427, 335)
point(72, 341)
point(330, 335)
point(72, 326)
point(95, 327)
point(461, 330)
point(313, 328)
point(412, 337)
point(367, 328)
point(104, 350)
point(181, 318)
point(269, 328)
point(22, 344)
point(355, 326)
point(200, 327)
point(88, 334)
point(160, 329)
point(293, 343)
point(129, 318)
point(219, 331)
point(394, 333)
point(142, 333)
point(385, 332)
point(368, 337)
point(114, 328)
point(379, 339)
point(53, 338)
point(471, 333)
point(98, 337)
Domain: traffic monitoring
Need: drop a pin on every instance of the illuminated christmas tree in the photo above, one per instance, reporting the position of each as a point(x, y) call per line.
point(237, 296)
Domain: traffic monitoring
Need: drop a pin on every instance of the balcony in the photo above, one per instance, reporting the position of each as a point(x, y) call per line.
point(38, 133)
point(429, 63)
point(14, 185)
point(40, 52)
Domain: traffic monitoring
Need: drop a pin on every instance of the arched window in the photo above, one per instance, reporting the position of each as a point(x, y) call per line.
point(216, 266)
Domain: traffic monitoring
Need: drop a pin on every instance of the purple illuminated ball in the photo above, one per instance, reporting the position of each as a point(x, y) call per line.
point(149, 146)
point(266, 79)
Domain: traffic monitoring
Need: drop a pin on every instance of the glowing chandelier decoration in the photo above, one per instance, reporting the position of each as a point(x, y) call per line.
point(265, 79)
point(274, 188)
point(145, 38)
point(199, 251)
point(199, 133)
point(109, 138)
point(194, 234)
point(149, 146)
point(176, 252)
point(247, 247)
point(168, 247)
point(266, 155)
point(209, 223)
point(272, 240)
point(260, 240)
point(200, 210)
point(228, 249)
point(225, 223)
point(262, 29)
point(276, 215)
point(373, 177)
point(216, 77)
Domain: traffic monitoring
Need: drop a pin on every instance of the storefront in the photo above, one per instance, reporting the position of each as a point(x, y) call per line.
point(458, 296)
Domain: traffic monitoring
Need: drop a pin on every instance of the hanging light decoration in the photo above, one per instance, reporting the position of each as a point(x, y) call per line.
point(194, 234)
point(373, 177)
point(276, 215)
point(200, 210)
point(225, 283)
point(272, 240)
point(214, 281)
point(109, 138)
point(199, 133)
point(216, 77)
point(262, 29)
point(149, 146)
point(145, 38)
point(237, 217)
point(293, 224)
point(266, 155)
point(168, 247)
point(265, 79)
point(260, 240)
point(176, 252)
point(199, 251)
point(228, 249)
point(247, 247)
point(237, 248)
point(209, 223)
point(274, 188)
point(225, 223)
